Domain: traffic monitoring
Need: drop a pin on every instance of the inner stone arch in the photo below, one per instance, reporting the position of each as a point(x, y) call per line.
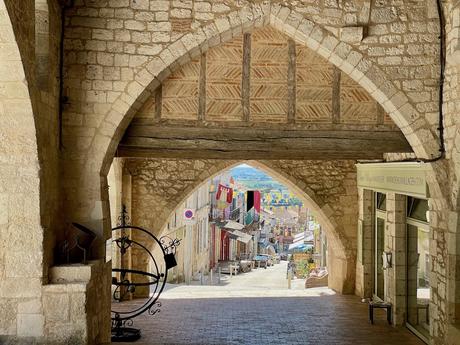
point(158, 186)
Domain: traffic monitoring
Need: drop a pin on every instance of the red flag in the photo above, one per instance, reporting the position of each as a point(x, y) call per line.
point(224, 193)
point(257, 201)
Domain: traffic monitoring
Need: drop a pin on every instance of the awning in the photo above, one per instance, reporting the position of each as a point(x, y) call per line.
point(300, 245)
point(301, 238)
point(232, 225)
point(241, 236)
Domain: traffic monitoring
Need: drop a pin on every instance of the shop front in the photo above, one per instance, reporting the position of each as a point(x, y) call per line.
point(393, 261)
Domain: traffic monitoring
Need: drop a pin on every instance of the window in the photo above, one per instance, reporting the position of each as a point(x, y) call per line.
point(381, 202)
point(417, 209)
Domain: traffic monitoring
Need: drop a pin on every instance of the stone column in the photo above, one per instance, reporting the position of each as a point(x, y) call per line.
point(395, 277)
point(364, 271)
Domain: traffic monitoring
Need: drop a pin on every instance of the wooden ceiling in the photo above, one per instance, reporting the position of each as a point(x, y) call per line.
point(261, 94)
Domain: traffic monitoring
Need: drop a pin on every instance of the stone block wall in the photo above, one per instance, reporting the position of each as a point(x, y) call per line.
point(444, 206)
point(364, 267)
point(29, 155)
point(395, 277)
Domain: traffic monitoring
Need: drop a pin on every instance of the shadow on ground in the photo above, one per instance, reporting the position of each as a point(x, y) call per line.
point(253, 320)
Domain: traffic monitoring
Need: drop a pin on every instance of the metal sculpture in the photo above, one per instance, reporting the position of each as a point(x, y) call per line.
point(126, 280)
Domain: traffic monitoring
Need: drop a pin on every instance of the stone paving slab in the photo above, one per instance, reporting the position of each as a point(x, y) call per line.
point(241, 313)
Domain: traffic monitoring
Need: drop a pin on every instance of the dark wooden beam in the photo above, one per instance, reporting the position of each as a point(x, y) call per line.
point(202, 89)
point(336, 95)
point(291, 80)
point(246, 77)
point(251, 143)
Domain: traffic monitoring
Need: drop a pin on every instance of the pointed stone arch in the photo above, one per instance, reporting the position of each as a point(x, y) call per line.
point(308, 195)
point(159, 186)
point(95, 163)
point(342, 55)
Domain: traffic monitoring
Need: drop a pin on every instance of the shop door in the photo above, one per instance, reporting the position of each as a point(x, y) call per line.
point(379, 246)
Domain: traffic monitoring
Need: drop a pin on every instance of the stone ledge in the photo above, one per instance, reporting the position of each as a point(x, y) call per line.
point(64, 288)
point(73, 273)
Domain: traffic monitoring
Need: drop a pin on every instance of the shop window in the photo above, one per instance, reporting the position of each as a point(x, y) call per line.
point(417, 209)
point(381, 201)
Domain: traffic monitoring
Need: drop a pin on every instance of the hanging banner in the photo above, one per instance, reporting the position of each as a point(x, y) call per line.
point(224, 196)
point(224, 193)
point(408, 178)
point(257, 201)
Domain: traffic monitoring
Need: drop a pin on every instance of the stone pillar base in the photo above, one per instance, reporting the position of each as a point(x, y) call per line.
point(77, 304)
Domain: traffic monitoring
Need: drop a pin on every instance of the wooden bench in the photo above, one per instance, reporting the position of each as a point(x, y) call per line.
point(380, 305)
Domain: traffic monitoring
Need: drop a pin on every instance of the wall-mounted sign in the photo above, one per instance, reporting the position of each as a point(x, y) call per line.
point(189, 216)
point(408, 178)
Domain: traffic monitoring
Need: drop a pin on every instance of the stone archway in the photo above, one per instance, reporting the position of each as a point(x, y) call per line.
point(160, 185)
point(96, 161)
point(343, 55)
point(21, 243)
point(92, 200)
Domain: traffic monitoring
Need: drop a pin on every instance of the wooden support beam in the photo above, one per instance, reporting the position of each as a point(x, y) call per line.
point(246, 77)
point(158, 102)
point(291, 80)
point(202, 89)
point(251, 143)
point(336, 95)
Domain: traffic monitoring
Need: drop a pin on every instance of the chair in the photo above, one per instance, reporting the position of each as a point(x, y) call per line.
point(381, 305)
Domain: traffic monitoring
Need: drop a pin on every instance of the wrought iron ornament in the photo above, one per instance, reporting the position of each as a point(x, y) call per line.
point(124, 284)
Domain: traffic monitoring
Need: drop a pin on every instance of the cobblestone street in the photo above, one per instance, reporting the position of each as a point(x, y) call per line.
point(256, 308)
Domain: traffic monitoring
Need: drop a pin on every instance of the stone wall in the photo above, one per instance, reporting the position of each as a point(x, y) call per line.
point(75, 304)
point(364, 262)
point(21, 234)
point(444, 208)
point(29, 151)
point(38, 25)
point(328, 187)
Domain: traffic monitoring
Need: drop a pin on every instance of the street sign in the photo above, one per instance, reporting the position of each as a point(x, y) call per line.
point(189, 216)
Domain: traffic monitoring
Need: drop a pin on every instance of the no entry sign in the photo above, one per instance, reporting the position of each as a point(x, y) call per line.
point(189, 216)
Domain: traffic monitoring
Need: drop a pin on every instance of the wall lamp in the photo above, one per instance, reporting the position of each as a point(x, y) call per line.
point(387, 259)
